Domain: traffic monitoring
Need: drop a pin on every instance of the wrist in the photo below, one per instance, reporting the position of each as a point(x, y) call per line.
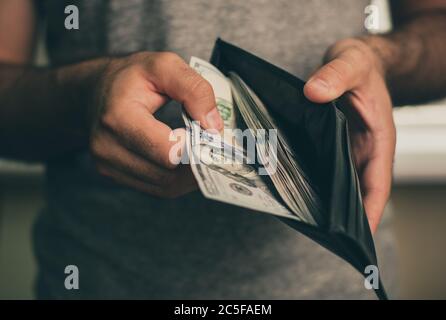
point(396, 55)
point(77, 87)
point(382, 52)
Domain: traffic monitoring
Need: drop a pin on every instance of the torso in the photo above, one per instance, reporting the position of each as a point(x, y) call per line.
point(128, 244)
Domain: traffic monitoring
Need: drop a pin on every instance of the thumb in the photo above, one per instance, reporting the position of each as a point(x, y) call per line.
point(333, 79)
point(180, 82)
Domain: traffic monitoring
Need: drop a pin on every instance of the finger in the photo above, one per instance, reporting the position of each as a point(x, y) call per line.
point(181, 185)
point(375, 185)
point(143, 134)
point(175, 78)
point(108, 151)
point(374, 203)
point(338, 76)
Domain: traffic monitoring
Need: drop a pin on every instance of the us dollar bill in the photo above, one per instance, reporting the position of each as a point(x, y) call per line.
point(219, 164)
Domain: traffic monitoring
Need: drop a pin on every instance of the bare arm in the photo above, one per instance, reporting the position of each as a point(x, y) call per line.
point(42, 111)
point(105, 104)
point(413, 54)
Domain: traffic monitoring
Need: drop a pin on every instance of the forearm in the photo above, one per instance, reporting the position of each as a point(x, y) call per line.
point(412, 58)
point(44, 112)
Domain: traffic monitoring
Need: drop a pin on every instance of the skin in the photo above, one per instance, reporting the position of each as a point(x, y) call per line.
point(353, 73)
point(107, 104)
point(369, 74)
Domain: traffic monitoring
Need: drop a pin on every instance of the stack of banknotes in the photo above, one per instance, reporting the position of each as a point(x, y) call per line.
point(250, 163)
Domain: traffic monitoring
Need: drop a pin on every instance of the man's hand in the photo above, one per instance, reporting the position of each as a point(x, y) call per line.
point(127, 142)
point(354, 74)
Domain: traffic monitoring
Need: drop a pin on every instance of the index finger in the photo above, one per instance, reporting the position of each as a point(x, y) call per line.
point(173, 77)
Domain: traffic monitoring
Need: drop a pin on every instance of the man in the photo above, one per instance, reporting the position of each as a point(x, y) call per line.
point(117, 226)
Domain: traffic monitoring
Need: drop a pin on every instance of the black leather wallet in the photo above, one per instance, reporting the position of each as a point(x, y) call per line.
point(319, 137)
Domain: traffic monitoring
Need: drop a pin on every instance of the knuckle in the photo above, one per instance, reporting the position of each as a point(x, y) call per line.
point(170, 56)
point(204, 87)
point(97, 148)
point(166, 58)
point(131, 72)
point(361, 57)
point(199, 87)
point(114, 119)
point(166, 161)
point(333, 76)
point(344, 43)
point(347, 65)
point(109, 120)
point(357, 55)
point(139, 57)
point(333, 70)
point(160, 61)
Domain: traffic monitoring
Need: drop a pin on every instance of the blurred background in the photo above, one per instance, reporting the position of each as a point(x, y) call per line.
point(417, 208)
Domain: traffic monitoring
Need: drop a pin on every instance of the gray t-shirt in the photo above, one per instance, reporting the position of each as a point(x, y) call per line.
point(131, 245)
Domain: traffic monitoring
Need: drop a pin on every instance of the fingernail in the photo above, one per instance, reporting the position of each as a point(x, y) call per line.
point(318, 85)
point(214, 120)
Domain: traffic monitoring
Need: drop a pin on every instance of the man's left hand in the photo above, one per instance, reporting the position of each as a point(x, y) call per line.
point(354, 74)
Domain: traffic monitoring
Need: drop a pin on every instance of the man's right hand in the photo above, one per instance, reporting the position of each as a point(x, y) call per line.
point(127, 142)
